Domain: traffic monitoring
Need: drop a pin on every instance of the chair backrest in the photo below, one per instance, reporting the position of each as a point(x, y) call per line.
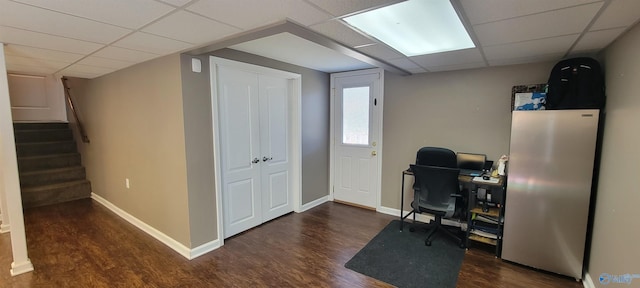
point(435, 186)
point(436, 156)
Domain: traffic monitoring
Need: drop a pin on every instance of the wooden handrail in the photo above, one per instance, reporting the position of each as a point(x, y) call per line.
point(67, 93)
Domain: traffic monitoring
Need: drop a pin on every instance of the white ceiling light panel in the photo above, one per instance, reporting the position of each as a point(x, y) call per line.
point(415, 27)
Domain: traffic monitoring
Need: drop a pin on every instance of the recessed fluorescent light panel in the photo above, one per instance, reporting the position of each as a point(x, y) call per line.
point(415, 27)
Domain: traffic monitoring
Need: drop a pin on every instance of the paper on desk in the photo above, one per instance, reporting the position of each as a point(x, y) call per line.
point(492, 180)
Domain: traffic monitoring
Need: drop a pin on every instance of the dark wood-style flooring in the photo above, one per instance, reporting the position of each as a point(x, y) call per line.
point(82, 244)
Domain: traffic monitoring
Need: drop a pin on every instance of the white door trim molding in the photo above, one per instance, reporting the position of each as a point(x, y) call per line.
point(332, 131)
point(296, 131)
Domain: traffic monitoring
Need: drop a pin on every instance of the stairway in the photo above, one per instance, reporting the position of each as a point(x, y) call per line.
point(49, 164)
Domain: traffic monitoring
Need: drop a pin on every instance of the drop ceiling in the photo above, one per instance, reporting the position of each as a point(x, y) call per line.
point(91, 38)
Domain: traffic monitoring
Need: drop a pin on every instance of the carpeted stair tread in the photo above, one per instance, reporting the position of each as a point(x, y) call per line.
point(45, 148)
point(52, 176)
point(40, 126)
point(46, 135)
point(55, 193)
point(51, 161)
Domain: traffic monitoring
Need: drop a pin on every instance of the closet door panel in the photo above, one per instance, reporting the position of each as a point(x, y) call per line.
point(240, 146)
point(274, 129)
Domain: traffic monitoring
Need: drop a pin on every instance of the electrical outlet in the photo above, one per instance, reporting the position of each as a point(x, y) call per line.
point(126, 183)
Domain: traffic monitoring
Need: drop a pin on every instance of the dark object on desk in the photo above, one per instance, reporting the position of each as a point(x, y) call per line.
point(485, 177)
point(471, 164)
point(436, 190)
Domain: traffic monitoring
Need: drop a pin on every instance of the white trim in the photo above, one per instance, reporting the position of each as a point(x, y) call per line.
point(204, 249)
point(296, 133)
point(332, 138)
point(155, 233)
point(5, 228)
point(314, 203)
point(23, 267)
point(587, 282)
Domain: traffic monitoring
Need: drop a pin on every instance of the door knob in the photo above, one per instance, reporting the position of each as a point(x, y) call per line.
point(374, 153)
point(265, 159)
point(255, 160)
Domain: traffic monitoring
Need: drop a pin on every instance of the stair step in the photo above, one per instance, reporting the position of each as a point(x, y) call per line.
point(34, 163)
point(40, 126)
point(52, 176)
point(55, 193)
point(46, 135)
point(45, 148)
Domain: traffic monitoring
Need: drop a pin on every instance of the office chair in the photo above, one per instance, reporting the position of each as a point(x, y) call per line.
point(436, 156)
point(436, 194)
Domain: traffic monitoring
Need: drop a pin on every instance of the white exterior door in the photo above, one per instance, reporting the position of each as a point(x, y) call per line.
point(357, 119)
point(255, 152)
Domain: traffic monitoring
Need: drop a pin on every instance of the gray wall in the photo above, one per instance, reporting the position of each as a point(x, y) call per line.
point(616, 231)
point(135, 121)
point(198, 141)
point(465, 111)
point(315, 121)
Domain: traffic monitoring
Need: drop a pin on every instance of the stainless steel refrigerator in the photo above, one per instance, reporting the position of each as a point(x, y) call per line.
point(550, 170)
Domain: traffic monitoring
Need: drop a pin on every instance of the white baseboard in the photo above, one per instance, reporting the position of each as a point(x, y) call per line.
point(20, 268)
point(587, 282)
point(5, 228)
point(155, 233)
point(314, 203)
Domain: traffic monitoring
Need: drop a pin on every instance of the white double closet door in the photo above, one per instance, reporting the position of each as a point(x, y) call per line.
point(254, 123)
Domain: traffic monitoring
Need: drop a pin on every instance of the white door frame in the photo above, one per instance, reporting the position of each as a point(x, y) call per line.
point(332, 131)
point(295, 81)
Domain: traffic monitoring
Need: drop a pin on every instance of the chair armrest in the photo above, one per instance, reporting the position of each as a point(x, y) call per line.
point(456, 195)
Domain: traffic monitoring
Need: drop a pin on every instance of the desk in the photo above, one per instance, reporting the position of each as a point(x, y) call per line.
point(474, 207)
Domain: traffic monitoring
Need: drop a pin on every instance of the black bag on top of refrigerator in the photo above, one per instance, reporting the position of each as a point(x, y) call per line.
point(576, 83)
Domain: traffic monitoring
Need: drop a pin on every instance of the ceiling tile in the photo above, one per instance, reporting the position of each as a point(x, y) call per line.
point(32, 70)
point(124, 13)
point(462, 66)
point(344, 7)
point(104, 63)
point(189, 27)
point(555, 45)
point(123, 54)
point(286, 47)
point(493, 10)
point(619, 13)
point(33, 39)
point(340, 32)
point(176, 2)
point(151, 43)
point(407, 64)
point(380, 51)
point(449, 58)
point(597, 39)
point(40, 20)
point(525, 60)
point(39, 53)
point(78, 69)
point(261, 12)
point(538, 26)
point(26, 61)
